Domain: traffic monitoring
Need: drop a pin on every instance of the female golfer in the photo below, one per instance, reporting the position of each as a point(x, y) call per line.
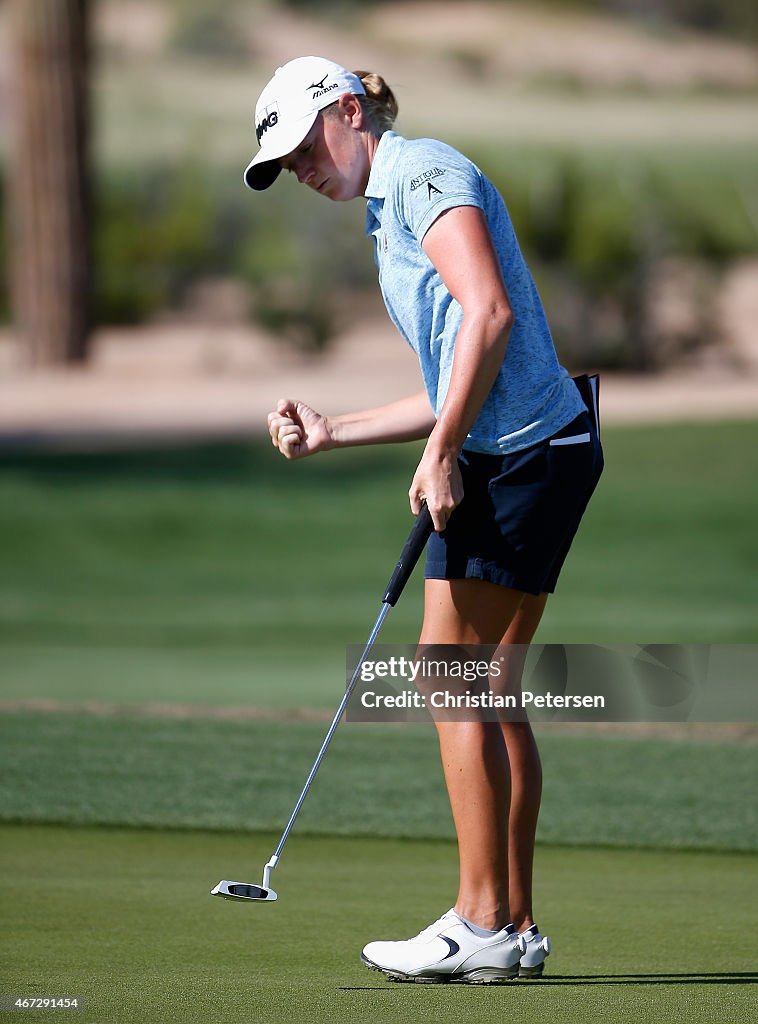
point(511, 459)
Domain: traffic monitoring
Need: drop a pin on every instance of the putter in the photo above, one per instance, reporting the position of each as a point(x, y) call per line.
point(419, 535)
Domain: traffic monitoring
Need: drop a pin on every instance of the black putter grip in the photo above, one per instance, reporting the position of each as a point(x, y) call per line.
point(419, 535)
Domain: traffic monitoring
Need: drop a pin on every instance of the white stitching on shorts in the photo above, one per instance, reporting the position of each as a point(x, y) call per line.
point(574, 439)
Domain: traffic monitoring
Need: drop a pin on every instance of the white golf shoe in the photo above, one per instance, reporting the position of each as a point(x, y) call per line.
point(537, 948)
point(449, 951)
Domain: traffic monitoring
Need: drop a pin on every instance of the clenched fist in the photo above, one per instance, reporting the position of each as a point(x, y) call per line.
point(297, 430)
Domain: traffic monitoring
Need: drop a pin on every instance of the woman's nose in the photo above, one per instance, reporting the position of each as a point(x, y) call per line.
point(304, 173)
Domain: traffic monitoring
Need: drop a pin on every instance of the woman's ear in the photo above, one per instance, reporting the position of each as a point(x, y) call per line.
point(350, 107)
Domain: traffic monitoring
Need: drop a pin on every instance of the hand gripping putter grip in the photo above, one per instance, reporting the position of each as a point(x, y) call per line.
point(411, 553)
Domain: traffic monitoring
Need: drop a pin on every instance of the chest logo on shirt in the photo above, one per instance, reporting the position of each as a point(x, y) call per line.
point(433, 189)
point(433, 172)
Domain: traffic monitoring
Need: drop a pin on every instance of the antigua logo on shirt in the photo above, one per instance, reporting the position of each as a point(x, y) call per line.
point(433, 190)
point(433, 172)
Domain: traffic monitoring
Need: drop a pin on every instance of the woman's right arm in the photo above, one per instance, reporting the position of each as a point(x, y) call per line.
point(297, 430)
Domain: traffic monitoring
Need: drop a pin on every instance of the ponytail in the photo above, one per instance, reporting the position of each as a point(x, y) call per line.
point(379, 104)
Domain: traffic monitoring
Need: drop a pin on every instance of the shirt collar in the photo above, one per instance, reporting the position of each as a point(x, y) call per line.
point(381, 166)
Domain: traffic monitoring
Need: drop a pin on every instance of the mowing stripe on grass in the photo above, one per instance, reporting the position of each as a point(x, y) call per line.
point(377, 780)
point(197, 573)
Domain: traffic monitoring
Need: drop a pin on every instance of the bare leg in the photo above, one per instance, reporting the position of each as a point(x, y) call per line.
point(474, 754)
point(526, 779)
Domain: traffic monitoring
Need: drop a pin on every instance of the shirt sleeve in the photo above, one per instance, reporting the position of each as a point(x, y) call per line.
point(434, 178)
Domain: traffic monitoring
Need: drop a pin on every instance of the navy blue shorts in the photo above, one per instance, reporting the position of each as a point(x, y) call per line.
point(519, 512)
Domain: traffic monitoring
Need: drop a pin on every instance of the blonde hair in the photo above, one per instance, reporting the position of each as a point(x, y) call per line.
point(379, 104)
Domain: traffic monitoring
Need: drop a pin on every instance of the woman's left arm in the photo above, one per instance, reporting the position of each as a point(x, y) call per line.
point(460, 247)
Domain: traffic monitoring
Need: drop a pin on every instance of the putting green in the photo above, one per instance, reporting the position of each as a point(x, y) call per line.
point(122, 917)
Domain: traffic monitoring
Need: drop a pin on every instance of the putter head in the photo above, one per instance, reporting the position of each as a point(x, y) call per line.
point(244, 891)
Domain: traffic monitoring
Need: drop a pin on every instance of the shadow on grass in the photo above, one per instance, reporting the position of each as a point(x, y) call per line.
point(686, 978)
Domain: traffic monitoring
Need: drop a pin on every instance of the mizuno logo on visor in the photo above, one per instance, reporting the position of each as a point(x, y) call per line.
point(325, 89)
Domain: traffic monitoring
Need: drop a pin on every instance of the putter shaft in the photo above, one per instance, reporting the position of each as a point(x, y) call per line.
point(415, 544)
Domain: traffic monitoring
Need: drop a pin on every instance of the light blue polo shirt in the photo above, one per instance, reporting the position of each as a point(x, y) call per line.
point(412, 182)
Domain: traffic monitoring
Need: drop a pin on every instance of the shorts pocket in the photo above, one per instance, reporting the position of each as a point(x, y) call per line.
point(570, 465)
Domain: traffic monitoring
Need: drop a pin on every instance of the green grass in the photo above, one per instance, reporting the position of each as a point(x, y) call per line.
point(145, 943)
point(378, 780)
point(221, 574)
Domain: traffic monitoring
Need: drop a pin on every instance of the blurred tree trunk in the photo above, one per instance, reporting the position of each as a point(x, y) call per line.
point(49, 182)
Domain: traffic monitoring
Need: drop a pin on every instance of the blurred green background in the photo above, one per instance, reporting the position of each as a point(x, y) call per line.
point(621, 132)
point(226, 575)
